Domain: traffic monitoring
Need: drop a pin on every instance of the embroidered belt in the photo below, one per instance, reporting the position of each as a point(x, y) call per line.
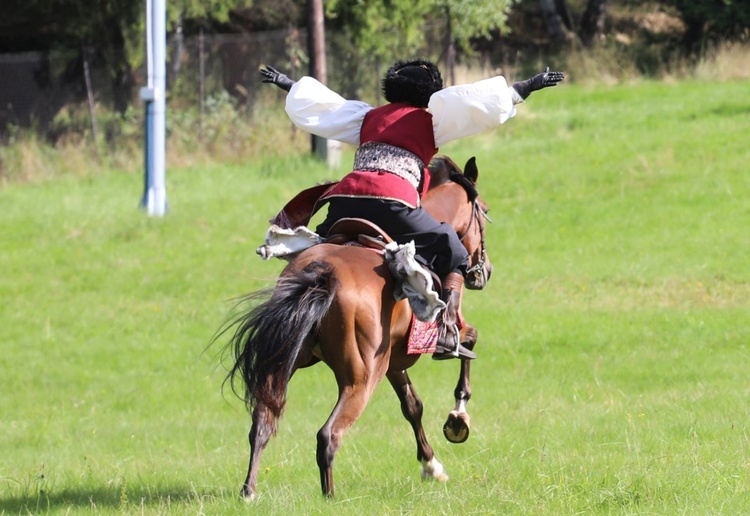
point(381, 157)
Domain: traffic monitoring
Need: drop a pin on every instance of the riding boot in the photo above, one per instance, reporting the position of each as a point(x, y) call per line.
point(449, 343)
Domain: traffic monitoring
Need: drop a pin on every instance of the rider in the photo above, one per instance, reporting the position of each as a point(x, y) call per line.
point(395, 143)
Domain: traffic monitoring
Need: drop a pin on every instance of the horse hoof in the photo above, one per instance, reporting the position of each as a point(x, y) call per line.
point(247, 496)
point(434, 470)
point(456, 427)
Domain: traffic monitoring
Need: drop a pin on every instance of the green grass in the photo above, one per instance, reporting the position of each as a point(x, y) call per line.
point(612, 376)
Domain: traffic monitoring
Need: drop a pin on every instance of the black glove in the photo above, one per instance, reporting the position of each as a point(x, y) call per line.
point(539, 81)
point(272, 75)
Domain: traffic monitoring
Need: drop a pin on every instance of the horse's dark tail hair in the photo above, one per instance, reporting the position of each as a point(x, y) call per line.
point(268, 338)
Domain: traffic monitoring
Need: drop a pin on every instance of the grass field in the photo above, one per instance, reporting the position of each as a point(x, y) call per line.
point(613, 358)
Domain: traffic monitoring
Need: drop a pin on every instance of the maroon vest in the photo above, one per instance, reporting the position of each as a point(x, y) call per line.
point(400, 125)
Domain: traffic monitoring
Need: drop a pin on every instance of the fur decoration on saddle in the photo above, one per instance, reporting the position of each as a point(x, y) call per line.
point(284, 243)
point(413, 281)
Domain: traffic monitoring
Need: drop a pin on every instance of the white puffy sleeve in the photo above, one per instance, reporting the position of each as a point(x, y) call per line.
point(315, 108)
point(467, 109)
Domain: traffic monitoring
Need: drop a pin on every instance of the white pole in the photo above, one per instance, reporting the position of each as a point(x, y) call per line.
point(154, 94)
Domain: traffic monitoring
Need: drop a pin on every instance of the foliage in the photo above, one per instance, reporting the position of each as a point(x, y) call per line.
point(381, 28)
point(105, 28)
point(472, 19)
point(403, 22)
point(222, 121)
point(370, 36)
point(715, 19)
point(47, 24)
point(215, 9)
point(709, 21)
point(387, 28)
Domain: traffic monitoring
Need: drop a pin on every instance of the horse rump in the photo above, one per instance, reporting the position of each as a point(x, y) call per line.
point(268, 337)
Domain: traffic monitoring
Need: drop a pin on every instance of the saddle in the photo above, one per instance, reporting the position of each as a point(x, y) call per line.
point(353, 231)
point(349, 231)
point(413, 280)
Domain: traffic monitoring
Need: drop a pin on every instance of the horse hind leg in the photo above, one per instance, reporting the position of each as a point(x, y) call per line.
point(458, 425)
point(350, 405)
point(264, 425)
point(411, 407)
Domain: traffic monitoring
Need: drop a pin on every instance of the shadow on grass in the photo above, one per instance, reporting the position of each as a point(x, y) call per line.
point(161, 497)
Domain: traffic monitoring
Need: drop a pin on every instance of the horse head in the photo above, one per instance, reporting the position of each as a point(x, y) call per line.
point(453, 198)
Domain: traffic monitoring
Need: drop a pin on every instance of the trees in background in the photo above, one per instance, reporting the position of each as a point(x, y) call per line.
point(563, 28)
point(704, 20)
point(101, 31)
point(388, 28)
point(712, 20)
point(377, 27)
point(110, 32)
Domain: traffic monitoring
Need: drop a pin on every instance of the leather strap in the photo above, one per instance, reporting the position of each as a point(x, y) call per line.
point(453, 281)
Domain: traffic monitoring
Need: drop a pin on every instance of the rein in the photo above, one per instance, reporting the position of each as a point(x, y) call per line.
point(476, 212)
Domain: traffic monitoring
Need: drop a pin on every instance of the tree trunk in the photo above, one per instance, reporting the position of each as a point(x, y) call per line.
point(555, 13)
point(567, 20)
point(316, 40)
point(592, 22)
point(316, 46)
point(450, 50)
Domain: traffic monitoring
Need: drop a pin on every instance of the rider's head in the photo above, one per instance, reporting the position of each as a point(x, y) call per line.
point(412, 82)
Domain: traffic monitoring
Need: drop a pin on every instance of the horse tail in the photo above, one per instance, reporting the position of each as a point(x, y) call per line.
point(269, 337)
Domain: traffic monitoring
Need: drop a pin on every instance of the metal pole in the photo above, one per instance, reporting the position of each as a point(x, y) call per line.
point(154, 94)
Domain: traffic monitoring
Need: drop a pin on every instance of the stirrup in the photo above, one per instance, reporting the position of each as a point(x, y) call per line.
point(453, 349)
point(459, 351)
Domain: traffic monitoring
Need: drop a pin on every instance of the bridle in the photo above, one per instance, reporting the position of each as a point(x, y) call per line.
point(476, 212)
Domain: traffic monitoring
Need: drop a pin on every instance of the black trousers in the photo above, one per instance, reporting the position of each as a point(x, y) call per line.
point(437, 244)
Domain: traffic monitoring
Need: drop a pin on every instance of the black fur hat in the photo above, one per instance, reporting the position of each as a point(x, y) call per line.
point(412, 82)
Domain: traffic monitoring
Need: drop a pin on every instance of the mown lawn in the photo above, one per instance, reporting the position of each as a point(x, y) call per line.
point(613, 367)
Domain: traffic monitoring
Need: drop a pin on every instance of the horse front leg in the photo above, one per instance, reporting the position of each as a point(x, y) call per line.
point(264, 425)
point(458, 425)
point(411, 407)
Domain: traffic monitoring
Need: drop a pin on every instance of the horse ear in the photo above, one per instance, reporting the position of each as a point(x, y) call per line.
point(471, 171)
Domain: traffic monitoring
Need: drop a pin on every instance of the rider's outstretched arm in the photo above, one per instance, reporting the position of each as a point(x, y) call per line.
point(273, 76)
point(539, 81)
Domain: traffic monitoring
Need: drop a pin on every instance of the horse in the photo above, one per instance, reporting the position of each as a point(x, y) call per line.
point(335, 304)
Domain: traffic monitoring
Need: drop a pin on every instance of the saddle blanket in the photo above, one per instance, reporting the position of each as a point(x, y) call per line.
point(423, 336)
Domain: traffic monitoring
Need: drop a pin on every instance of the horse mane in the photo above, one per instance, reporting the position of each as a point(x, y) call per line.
point(443, 169)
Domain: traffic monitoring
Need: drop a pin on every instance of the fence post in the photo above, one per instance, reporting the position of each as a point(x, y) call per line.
point(90, 97)
point(202, 82)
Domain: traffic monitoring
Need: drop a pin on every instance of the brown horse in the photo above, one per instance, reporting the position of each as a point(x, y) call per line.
point(335, 304)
